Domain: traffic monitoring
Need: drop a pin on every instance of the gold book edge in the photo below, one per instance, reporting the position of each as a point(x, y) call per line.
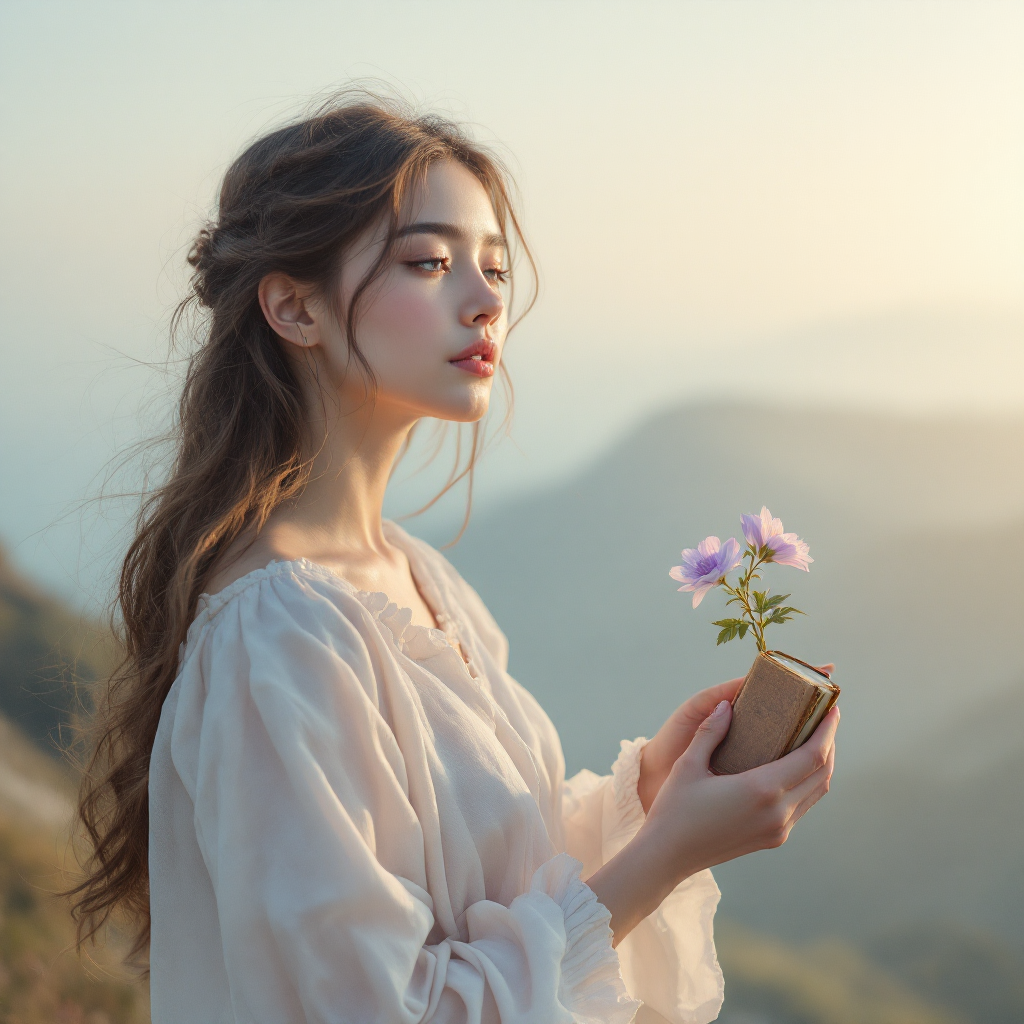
point(812, 717)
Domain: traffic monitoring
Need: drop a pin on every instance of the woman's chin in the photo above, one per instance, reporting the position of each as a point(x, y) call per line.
point(468, 407)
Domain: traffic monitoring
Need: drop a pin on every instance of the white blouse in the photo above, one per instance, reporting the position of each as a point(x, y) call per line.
point(351, 823)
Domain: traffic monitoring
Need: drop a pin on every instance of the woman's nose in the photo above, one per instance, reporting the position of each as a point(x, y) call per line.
point(485, 306)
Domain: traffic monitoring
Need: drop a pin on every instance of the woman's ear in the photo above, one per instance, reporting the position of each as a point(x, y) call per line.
point(284, 304)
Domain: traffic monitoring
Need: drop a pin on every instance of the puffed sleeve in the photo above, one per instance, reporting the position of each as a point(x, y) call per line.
point(304, 818)
point(669, 960)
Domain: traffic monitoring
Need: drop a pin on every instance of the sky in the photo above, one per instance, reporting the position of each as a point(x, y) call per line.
point(801, 202)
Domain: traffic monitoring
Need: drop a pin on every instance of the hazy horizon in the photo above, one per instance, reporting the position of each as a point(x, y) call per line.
point(801, 203)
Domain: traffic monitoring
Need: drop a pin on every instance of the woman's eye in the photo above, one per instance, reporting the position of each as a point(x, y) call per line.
point(497, 274)
point(437, 265)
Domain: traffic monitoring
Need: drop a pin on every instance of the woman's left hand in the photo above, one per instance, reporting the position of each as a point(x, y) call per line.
point(677, 733)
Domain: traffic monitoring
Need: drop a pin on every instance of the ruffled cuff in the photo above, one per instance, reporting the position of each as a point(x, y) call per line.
point(591, 986)
point(669, 959)
point(623, 814)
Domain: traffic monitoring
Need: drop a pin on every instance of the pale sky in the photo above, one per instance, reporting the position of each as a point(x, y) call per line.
point(804, 201)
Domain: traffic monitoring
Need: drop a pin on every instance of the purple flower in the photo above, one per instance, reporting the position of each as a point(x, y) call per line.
point(704, 566)
point(784, 548)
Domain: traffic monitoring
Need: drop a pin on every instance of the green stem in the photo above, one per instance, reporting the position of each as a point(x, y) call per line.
point(742, 593)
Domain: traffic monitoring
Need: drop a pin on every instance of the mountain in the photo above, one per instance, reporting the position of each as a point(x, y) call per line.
point(959, 968)
point(913, 593)
point(42, 980)
point(931, 836)
point(925, 974)
point(825, 982)
point(910, 522)
point(49, 656)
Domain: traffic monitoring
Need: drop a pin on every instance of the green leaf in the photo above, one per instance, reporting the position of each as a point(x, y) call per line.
point(735, 623)
point(774, 602)
point(727, 634)
point(744, 626)
point(780, 615)
point(760, 597)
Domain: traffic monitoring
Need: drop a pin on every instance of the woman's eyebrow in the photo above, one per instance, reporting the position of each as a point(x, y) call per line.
point(450, 231)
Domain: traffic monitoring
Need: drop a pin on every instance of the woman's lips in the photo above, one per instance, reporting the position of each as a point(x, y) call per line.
point(478, 359)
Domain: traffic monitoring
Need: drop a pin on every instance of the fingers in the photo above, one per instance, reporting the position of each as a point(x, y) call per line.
point(789, 771)
point(700, 705)
point(828, 668)
point(709, 734)
point(686, 719)
point(812, 789)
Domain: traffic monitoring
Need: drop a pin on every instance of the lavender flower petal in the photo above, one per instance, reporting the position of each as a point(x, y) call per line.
point(705, 566)
point(789, 549)
point(758, 529)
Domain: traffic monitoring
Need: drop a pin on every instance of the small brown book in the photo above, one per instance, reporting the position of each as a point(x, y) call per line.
point(780, 704)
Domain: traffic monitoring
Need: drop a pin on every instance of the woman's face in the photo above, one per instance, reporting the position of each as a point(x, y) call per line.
point(432, 327)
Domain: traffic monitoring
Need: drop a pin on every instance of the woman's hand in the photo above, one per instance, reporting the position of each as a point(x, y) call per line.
point(706, 819)
point(675, 736)
point(699, 819)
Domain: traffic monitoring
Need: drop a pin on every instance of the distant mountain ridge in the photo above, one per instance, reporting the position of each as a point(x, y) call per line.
point(914, 527)
point(908, 521)
point(49, 655)
point(906, 842)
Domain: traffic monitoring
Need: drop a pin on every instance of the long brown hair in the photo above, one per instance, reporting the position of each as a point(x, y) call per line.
point(293, 202)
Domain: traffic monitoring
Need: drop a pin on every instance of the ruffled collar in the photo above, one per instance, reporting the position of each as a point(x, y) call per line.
point(414, 641)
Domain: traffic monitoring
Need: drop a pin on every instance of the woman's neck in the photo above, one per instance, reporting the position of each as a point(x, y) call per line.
point(337, 519)
point(341, 506)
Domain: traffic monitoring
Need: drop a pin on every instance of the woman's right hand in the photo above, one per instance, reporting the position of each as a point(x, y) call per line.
point(700, 819)
point(706, 819)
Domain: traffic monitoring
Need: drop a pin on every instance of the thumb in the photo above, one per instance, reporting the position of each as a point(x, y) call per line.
point(709, 734)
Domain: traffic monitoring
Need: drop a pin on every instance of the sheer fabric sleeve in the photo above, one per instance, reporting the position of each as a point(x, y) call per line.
point(304, 814)
point(669, 960)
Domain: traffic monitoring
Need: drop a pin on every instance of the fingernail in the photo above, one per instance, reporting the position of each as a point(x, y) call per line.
point(720, 709)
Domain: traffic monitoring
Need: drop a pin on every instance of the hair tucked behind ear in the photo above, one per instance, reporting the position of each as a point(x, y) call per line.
point(292, 202)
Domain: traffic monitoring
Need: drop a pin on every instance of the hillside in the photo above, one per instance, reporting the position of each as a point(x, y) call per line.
point(897, 513)
point(830, 982)
point(930, 837)
point(42, 980)
point(913, 527)
point(926, 974)
point(48, 657)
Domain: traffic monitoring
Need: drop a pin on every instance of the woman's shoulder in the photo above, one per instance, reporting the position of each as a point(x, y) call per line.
point(289, 643)
point(278, 604)
point(289, 649)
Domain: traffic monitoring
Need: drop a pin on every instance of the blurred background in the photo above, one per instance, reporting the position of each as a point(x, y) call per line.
point(782, 262)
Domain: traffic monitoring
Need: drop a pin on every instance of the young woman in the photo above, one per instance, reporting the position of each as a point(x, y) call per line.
point(317, 792)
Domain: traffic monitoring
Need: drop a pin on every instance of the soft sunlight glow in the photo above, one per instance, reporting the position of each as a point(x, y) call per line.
point(700, 180)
